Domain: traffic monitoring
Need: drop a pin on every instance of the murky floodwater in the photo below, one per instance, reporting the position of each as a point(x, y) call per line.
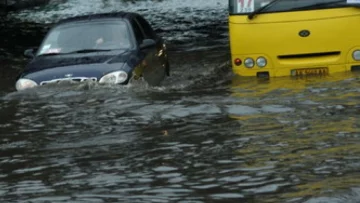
point(203, 136)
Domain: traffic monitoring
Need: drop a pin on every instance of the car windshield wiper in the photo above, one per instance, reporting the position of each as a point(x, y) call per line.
point(50, 54)
point(259, 10)
point(88, 51)
point(76, 52)
point(319, 5)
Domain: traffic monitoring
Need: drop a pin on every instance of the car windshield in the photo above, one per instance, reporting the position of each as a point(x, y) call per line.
point(86, 37)
point(248, 6)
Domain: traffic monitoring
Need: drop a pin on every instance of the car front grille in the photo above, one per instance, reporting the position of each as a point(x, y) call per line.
point(69, 80)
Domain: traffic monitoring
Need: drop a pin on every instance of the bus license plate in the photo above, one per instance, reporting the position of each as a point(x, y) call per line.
point(309, 71)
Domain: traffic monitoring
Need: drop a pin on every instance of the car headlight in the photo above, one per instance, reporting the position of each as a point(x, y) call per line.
point(24, 83)
point(249, 63)
point(261, 62)
point(114, 77)
point(356, 55)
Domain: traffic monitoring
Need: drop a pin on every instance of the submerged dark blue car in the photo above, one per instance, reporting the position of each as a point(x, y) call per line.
point(110, 48)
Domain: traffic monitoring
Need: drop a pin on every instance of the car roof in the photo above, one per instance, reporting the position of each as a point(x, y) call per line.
point(98, 16)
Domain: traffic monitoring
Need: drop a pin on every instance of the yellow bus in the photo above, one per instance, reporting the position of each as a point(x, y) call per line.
point(275, 38)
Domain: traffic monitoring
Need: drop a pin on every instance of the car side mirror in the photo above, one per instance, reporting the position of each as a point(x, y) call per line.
point(146, 43)
point(30, 53)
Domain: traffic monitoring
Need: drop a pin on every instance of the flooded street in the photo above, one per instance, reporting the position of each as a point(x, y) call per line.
point(203, 136)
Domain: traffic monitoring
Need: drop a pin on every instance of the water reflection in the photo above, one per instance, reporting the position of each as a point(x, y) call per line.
point(203, 136)
point(133, 144)
point(312, 133)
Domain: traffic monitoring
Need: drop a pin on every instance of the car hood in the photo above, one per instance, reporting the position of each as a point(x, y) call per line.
point(76, 72)
point(55, 61)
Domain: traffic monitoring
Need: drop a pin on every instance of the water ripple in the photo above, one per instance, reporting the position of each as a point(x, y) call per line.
point(203, 136)
point(170, 18)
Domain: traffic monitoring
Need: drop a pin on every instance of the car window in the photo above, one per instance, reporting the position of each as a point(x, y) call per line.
point(91, 35)
point(149, 32)
point(137, 31)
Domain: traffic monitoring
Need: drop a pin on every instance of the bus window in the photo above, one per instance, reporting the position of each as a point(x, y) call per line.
point(245, 6)
point(296, 5)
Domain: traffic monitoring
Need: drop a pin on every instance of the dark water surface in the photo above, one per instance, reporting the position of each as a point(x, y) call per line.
point(203, 136)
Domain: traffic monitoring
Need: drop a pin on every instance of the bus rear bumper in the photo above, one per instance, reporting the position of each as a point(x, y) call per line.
point(292, 71)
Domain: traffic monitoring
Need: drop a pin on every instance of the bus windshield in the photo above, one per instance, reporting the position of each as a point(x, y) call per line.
point(247, 6)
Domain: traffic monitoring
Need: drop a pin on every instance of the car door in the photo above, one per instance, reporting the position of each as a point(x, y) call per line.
point(150, 33)
point(155, 72)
